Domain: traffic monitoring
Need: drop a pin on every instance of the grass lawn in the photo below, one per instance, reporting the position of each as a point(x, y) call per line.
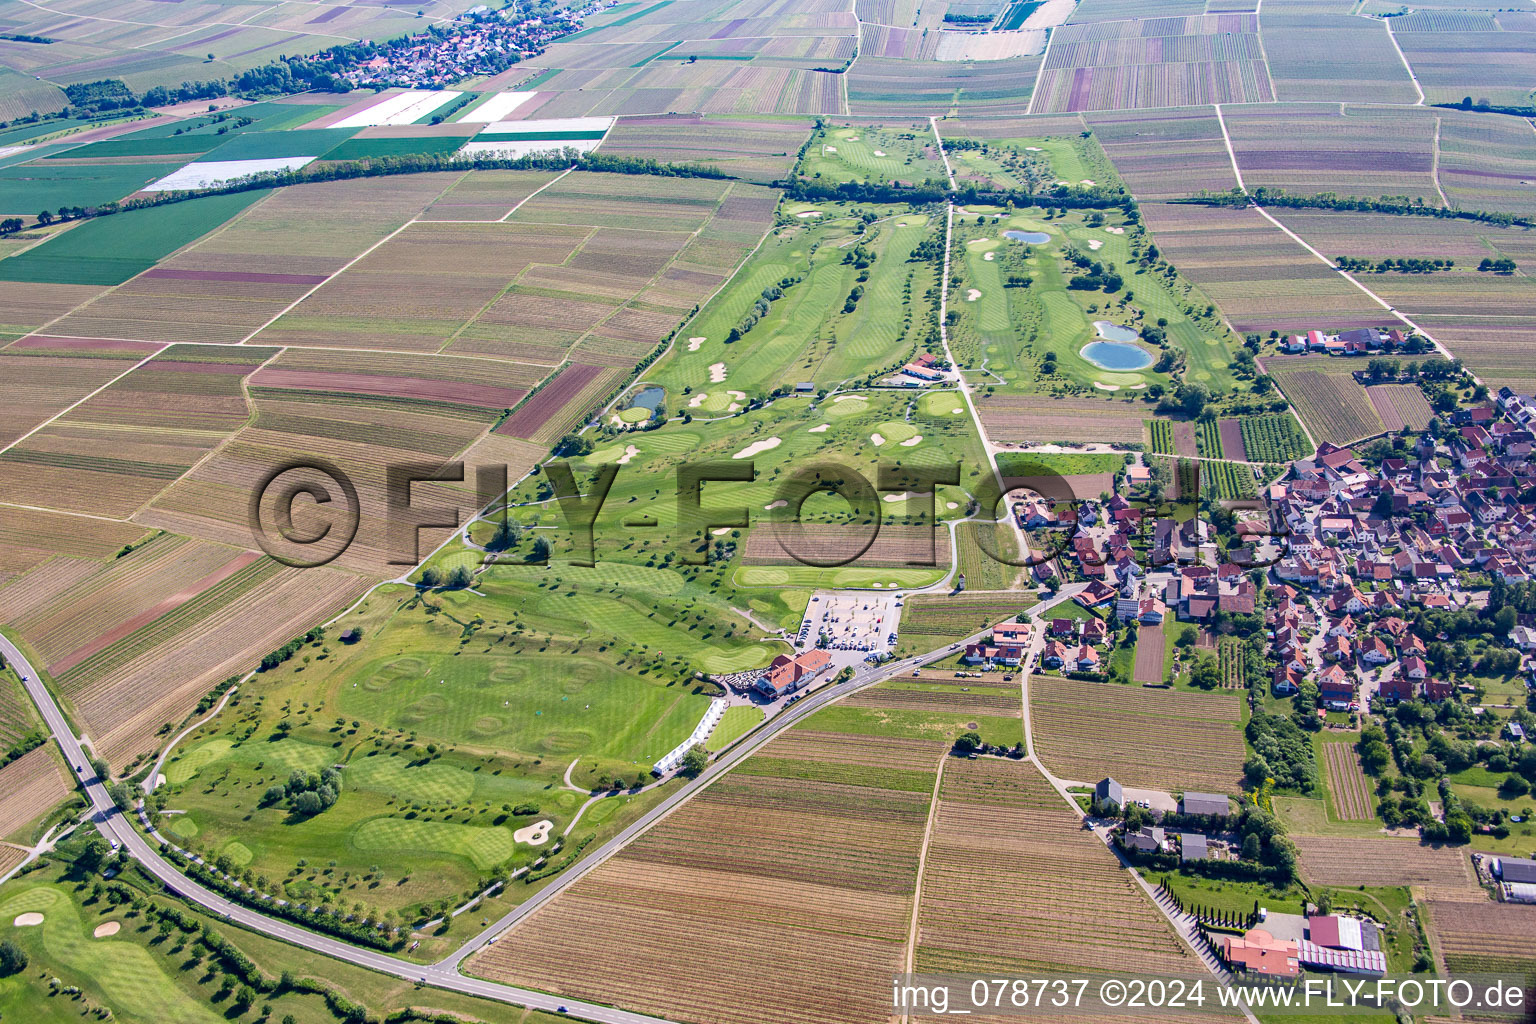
point(735, 723)
point(141, 977)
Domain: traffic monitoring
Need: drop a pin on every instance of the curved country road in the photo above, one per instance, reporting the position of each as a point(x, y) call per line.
point(444, 974)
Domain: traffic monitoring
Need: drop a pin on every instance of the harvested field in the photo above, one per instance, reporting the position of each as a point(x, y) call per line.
point(1476, 935)
point(1184, 439)
point(1347, 784)
point(1334, 406)
point(406, 377)
point(1231, 432)
point(1028, 419)
point(1085, 730)
point(1149, 655)
point(25, 306)
point(1011, 877)
point(725, 865)
point(30, 536)
point(33, 784)
point(1486, 162)
point(1380, 860)
point(1401, 405)
point(1260, 279)
point(1002, 702)
point(1497, 351)
point(1480, 58)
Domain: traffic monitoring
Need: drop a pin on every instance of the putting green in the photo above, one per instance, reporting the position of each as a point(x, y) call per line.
point(846, 405)
point(188, 764)
point(895, 432)
point(184, 826)
point(635, 414)
point(237, 852)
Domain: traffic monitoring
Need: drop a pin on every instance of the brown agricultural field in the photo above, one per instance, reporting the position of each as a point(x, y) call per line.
point(38, 380)
point(758, 150)
point(115, 451)
point(730, 865)
point(1380, 860)
point(894, 546)
point(31, 536)
point(1260, 279)
point(1347, 783)
point(1483, 936)
point(1301, 46)
point(239, 278)
point(1486, 162)
point(1012, 884)
point(1232, 440)
point(1028, 418)
point(1085, 730)
point(1330, 402)
point(486, 194)
point(558, 405)
point(1165, 154)
point(1149, 655)
point(1401, 405)
point(1451, 62)
point(1359, 151)
point(33, 784)
point(25, 306)
point(882, 87)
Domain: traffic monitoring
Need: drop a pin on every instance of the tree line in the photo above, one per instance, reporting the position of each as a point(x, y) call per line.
point(1397, 205)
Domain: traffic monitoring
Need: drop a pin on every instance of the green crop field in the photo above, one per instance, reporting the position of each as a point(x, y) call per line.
point(110, 250)
point(26, 189)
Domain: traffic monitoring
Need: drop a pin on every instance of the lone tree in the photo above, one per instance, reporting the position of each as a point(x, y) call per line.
point(695, 761)
point(431, 577)
point(13, 959)
point(460, 578)
point(966, 742)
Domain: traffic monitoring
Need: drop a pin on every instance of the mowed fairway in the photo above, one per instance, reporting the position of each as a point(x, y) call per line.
point(810, 845)
point(1163, 739)
point(544, 706)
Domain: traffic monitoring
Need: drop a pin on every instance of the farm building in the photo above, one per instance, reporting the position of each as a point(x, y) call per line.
point(1514, 869)
point(1147, 839)
point(1203, 803)
point(1345, 944)
point(1192, 846)
point(1108, 792)
point(1261, 953)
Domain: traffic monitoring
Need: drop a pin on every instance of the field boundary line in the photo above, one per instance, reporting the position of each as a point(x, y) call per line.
point(84, 398)
point(346, 266)
point(70, 512)
point(922, 864)
point(938, 139)
point(1045, 60)
point(1237, 172)
point(1434, 167)
point(519, 204)
point(1406, 66)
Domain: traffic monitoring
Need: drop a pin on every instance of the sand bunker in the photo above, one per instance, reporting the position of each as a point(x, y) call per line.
point(27, 920)
point(1086, 181)
point(912, 442)
point(629, 452)
point(972, 294)
point(721, 532)
point(951, 504)
point(989, 256)
point(698, 399)
point(819, 430)
point(1033, 149)
point(833, 149)
point(694, 343)
point(878, 153)
point(956, 411)
point(775, 504)
point(1095, 243)
point(1106, 387)
point(808, 213)
point(534, 835)
point(758, 447)
point(877, 439)
point(848, 398)
point(1115, 231)
point(106, 928)
point(716, 373)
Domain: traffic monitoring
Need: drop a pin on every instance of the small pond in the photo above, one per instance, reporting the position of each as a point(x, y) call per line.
point(1116, 355)
point(1031, 237)
point(648, 398)
point(1115, 332)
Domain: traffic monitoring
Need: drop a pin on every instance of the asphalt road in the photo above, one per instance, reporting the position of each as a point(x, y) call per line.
point(443, 974)
point(119, 832)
